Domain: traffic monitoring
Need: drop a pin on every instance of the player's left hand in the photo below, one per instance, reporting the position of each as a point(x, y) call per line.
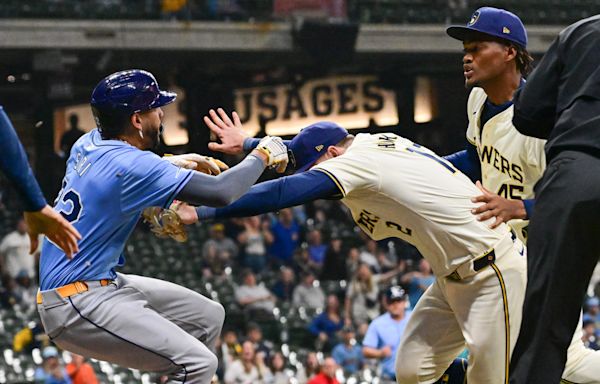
point(198, 162)
point(497, 206)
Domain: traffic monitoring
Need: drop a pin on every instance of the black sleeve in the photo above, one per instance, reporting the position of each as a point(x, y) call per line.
point(535, 103)
point(221, 190)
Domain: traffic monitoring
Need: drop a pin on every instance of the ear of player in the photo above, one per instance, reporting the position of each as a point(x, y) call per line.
point(275, 151)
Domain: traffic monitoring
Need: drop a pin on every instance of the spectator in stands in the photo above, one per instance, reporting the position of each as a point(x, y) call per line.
point(593, 308)
point(418, 281)
point(80, 371)
point(308, 293)
point(228, 351)
point(71, 136)
point(25, 290)
point(255, 335)
point(52, 370)
point(30, 337)
point(285, 284)
point(277, 365)
point(219, 241)
point(362, 294)
point(286, 238)
point(254, 241)
point(249, 369)
point(333, 266)
point(254, 298)
point(326, 325)
point(348, 354)
point(8, 296)
point(590, 337)
point(352, 262)
point(316, 248)
point(384, 333)
point(175, 10)
point(308, 369)
point(14, 250)
point(215, 261)
point(368, 254)
point(385, 262)
point(327, 374)
point(302, 262)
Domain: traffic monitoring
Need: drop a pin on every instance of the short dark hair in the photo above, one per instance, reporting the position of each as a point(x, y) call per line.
point(110, 125)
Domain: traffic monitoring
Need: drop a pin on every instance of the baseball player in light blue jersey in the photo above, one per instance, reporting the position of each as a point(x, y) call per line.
point(86, 306)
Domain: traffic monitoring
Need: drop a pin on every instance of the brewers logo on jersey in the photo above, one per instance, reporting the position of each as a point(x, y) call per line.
point(511, 163)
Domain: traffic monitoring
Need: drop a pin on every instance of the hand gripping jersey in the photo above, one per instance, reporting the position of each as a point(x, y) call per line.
point(511, 163)
point(396, 188)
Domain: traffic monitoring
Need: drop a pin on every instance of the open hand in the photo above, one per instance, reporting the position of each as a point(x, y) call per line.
point(497, 206)
point(55, 227)
point(230, 132)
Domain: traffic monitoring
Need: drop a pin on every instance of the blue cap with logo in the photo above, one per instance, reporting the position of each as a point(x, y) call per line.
point(494, 22)
point(312, 142)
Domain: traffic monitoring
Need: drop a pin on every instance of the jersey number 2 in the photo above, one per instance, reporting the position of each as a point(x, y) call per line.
point(71, 201)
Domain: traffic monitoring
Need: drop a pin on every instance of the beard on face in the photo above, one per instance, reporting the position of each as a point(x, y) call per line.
point(153, 136)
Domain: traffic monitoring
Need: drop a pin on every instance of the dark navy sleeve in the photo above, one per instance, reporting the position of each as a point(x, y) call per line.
point(467, 161)
point(13, 162)
point(529, 204)
point(277, 194)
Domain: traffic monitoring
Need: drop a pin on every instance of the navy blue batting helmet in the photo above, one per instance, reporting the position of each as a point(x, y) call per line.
point(124, 93)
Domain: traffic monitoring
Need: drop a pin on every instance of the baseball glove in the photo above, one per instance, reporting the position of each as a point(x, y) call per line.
point(165, 223)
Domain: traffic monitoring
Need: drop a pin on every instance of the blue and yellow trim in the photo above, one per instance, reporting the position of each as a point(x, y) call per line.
point(335, 180)
point(506, 321)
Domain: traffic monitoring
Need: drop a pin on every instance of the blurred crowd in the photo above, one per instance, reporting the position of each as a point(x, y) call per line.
point(310, 263)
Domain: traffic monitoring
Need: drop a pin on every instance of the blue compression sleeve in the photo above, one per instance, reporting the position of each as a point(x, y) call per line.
point(251, 142)
point(276, 194)
point(467, 161)
point(13, 162)
point(529, 204)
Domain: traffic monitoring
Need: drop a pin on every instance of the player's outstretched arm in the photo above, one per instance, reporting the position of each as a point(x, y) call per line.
point(497, 206)
point(39, 216)
point(218, 191)
point(270, 196)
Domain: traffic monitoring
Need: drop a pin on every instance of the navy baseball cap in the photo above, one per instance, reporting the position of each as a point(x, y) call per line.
point(312, 142)
point(494, 22)
point(395, 293)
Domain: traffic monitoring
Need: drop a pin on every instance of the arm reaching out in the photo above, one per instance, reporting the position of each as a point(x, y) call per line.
point(40, 217)
point(271, 196)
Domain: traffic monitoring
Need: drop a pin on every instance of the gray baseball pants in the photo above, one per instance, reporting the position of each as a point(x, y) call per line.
point(139, 322)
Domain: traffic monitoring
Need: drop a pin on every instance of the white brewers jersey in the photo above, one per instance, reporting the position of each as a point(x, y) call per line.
point(511, 163)
point(396, 188)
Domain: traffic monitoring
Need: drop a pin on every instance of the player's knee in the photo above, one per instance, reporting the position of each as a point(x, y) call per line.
point(219, 314)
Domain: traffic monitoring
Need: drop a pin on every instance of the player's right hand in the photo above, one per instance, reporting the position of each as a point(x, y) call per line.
point(56, 228)
point(231, 133)
point(275, 151)
point(386, 351)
